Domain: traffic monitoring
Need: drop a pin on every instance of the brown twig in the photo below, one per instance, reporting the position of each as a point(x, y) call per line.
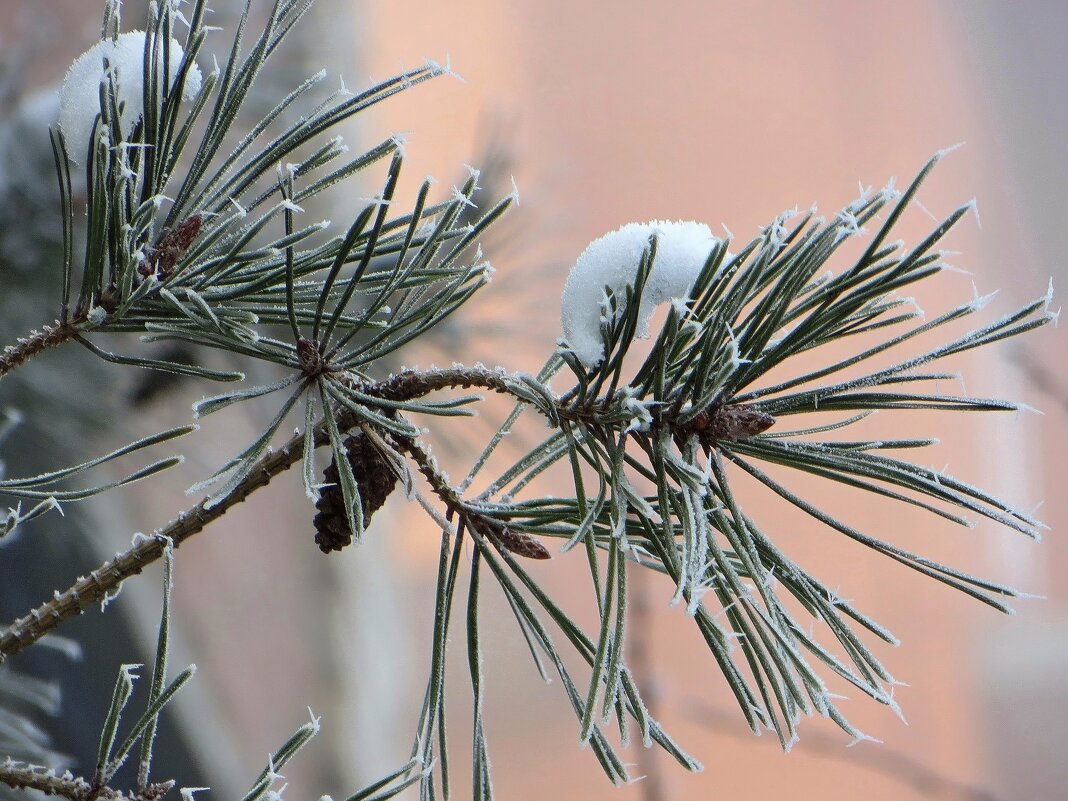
point(106, 579)
point(517, 542)
point(412, 384)
point(29, 777)
point(408, 385)
point(25, 348)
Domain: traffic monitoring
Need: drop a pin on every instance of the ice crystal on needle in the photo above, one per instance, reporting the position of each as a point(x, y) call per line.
point(613, 261)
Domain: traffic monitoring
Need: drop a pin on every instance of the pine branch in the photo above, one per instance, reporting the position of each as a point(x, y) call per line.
point(32, 778)
point(653, 452)
point(36, 343)
point(74, 788)
point(107, 579)
point(479, 524)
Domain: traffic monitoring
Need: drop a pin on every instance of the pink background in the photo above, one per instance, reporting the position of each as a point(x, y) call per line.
point(727, 113)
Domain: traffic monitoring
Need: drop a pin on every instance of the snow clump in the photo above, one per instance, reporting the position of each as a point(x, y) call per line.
point(79, 97)
point(612, 261)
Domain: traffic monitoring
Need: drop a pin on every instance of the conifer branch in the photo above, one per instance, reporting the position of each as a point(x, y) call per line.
point(31, 778)
point(653, 444)
point(34, 344)
point(107, 579)
point(74, 788)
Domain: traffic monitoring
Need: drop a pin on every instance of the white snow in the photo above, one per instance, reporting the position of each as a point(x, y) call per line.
point(613, 260)
point(79, 97)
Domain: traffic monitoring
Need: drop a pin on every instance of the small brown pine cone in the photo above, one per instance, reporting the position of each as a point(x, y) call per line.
point(521, 544)
point(174, 244)
point(739, 421)
point(171, 248)
point(728, 423)
point(516, 542)
point(375, 481)
point(331, 525)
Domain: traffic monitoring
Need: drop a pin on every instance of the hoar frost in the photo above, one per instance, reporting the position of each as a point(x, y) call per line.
point(612, 261)
point(79, 97)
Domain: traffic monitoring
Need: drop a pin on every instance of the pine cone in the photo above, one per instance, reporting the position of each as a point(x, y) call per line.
point(375, 481)
point(728, 423)
point(516, 542)
point(171, 248)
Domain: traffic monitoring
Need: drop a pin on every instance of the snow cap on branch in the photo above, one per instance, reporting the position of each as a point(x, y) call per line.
point(79, 97)
point(613, 260)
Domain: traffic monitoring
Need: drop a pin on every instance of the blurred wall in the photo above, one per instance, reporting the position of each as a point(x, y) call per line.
point(729, 112)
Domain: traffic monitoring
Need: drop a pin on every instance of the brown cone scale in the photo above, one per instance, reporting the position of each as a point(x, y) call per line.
point(375, 481)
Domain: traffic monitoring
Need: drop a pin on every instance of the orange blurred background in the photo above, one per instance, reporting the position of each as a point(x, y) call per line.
point(728, 113)
point(725, 113)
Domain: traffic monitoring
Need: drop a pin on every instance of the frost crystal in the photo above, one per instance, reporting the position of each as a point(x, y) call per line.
point(613, 260)
point(79, 97)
